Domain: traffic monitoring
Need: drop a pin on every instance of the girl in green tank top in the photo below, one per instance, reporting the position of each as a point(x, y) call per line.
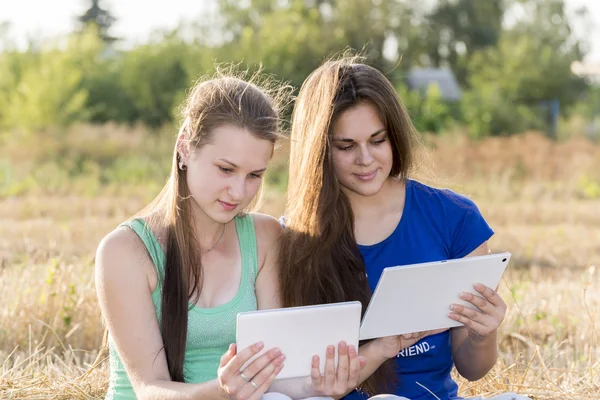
point(171, 281)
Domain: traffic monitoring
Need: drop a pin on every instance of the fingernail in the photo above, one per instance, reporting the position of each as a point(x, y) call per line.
point(478, 286)
point(277, 351)
point(351, 348)
point(330, 350)
point(260, 345)
point(453, 307)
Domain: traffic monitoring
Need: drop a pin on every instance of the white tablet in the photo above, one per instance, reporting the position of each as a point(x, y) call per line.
point(416, 298)
point(300, 333)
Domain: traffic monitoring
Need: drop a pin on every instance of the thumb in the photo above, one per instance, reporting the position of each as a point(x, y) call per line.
point(362, 360)
point(229, 354)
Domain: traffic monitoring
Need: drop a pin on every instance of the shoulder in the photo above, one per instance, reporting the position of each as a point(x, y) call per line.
point(266, 226)
point(122, 240)
point(268, 235)
point(442, 197)
point(455, 217)
point(120, 253)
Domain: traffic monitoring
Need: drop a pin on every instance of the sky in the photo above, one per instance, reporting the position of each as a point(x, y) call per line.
point(137, 18)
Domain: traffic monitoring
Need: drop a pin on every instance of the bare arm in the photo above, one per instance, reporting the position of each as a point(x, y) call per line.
point(474, 354)
point(122, 273)
point(268, 236)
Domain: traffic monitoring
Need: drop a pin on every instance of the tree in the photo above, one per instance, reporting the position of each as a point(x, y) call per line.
point(45, 88)
point(153, 78)
point(456, 29)
point(101, 17)
point(530, 65)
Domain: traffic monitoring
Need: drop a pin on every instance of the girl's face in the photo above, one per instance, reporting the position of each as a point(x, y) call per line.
point(224, 175)
point(361, 150)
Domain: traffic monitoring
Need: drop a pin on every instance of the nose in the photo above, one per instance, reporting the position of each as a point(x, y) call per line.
point(237, 189)
point(365, 157)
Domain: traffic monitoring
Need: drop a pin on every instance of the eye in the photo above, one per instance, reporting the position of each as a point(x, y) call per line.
point(255, 176)
point(345, 148)
point(226, 170)
point(379, 141)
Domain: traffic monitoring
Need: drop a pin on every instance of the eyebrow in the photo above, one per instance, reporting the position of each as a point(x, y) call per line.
point(339, 139)
point(235, 166)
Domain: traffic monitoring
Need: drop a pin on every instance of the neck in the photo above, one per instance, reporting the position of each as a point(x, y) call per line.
point(208, 231)
point(389, 198)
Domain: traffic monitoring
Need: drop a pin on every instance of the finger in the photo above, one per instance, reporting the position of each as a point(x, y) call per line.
point(418, 335)
point(261, 377)
point(490, 294)
point(404, 341)
point(225, 372)
point(343, 363)
point(468, 322)
point(241, 357)
point(258, 393)
point(315, 374)
point(329, 368)
point(225, 358)
point(363, 362)
point(475, 315)
point(261, 362)
point(477, 301)
point(355, 366)
point(409, 339)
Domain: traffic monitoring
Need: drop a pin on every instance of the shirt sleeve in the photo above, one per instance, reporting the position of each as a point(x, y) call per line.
point(468, 228)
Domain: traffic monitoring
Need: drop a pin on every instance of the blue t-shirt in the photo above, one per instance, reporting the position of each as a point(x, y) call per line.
point(436, 224)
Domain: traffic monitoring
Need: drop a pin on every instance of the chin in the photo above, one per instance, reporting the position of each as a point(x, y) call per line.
point(367, 189)
point(223, 217)
point(367, 193)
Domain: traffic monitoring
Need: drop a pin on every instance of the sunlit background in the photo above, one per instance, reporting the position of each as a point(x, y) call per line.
point(506, 94)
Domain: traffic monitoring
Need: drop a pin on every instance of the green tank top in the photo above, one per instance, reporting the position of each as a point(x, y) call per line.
point(210, 330)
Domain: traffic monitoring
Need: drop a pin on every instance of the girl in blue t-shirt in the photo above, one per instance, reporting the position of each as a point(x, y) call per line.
point(352, 211)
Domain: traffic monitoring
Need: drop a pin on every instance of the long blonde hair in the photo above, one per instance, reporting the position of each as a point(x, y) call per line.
point(253, 105)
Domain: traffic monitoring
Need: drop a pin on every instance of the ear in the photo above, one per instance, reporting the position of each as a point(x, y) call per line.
point(183, 147)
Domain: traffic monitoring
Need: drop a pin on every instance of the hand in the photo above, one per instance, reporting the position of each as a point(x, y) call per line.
point(255, 379)
point(390, 346)
point(484, 321)
point(344, 379)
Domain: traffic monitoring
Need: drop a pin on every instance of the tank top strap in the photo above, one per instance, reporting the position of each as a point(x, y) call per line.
point(152, 245)
point(247, 238)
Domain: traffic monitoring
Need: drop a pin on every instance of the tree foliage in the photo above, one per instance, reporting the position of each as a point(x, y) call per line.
point(507, 62)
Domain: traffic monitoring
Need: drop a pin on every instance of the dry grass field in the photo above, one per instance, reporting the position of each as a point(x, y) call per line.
point(541, 198)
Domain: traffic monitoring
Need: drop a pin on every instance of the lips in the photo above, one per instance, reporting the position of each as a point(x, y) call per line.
point(228, 206)
point(367, 176)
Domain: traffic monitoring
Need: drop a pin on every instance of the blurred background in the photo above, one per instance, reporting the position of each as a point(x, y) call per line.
point(506, 94)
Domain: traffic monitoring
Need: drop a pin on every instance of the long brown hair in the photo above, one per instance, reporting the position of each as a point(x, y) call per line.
point(320, 259)
point(253, 105)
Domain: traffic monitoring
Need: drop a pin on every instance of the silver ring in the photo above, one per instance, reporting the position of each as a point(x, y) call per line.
point(254, 384)
point(244, 377)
